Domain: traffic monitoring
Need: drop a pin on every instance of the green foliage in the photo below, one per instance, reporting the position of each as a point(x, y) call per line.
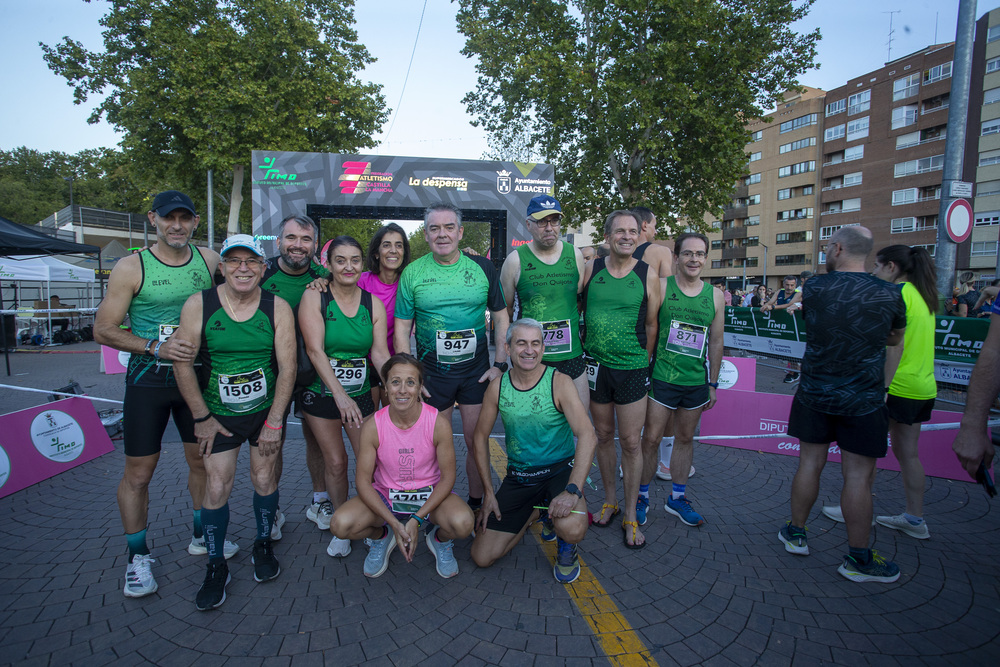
point(475, 235)
point(198, 84)
point(361, 230)
point(635, 103)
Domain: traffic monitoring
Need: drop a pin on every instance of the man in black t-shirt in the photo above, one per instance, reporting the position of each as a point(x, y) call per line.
point(851, 316)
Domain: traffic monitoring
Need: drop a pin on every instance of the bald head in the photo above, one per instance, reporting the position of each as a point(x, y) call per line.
point(856, 241)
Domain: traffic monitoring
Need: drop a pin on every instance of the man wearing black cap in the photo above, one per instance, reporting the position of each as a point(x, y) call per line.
point(151, 288)
point(546, 274)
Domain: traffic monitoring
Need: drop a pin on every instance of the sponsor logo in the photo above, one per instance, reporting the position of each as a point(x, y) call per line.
point(272, 176)
point(4, 467)
point(443, 182)
point(57, 436)
point(503, 182)
point(773, 426)
point(359, 178)
point(729, 375)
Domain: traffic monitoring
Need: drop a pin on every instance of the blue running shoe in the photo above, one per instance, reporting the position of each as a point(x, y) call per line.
point(567, 567)
point(794, 540)
point(443, 553)
point(641, 507)
point(681, 508)
point(548, 530)
point(877, 569)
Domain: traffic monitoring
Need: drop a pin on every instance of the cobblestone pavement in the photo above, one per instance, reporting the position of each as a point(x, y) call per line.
point(724, 593)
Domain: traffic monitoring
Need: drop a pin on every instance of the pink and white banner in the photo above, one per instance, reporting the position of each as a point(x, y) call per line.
point(113, 361)
point(752, 413)
point(41, 442)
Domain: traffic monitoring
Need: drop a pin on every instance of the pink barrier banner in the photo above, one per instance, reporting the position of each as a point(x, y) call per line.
point(43, 441)
point(752, 413)
point(113, 361)
point(738, 373)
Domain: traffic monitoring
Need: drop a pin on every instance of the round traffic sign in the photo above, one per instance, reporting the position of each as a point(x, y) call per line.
point(958, 220)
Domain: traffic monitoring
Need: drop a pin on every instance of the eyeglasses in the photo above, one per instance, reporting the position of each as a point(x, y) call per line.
point(234, 263)
point(689, 254)
point(546, 222)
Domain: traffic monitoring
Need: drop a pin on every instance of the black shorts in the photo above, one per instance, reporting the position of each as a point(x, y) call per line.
point(446, 390)
point(620, 387)
point(864, 435)
point(147, 410)
point(679, 397)
point(909, 410)
point(517, 496)
point(243, 428)
point(572, 367)
point(325, 407)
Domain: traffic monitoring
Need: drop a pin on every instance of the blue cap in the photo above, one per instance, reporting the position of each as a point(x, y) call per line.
point(171, 200)
point(543, 206)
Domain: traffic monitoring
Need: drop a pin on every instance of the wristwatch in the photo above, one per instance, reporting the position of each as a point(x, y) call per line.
point(502, 365)
point(713, 385)
point(572, 488)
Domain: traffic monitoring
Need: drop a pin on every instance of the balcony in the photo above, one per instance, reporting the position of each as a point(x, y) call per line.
point(734, 212)
point(741, 191)
point(734, 253)
point(734, 233)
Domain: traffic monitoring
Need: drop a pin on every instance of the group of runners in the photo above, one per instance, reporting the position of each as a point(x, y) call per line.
point(230, 344)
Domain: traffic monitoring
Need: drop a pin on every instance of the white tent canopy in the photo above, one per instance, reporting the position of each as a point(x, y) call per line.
point(44, 269)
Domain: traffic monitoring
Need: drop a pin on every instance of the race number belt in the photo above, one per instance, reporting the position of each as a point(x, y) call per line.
point(409, 501)
point(166, 331)
point(686, 339)
point(350, 373)
point(454, 347)
point(242, 392)
point(592, 368)
point(557, 337)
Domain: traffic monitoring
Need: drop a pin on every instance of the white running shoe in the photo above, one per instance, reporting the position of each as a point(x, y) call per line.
point(199, 548)
point(320, 513)
point(834, 513)
point(279, 521)
point(900, 523)
point(139, 580)
point(339, 548)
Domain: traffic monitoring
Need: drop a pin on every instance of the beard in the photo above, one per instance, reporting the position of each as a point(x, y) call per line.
point(294, 264)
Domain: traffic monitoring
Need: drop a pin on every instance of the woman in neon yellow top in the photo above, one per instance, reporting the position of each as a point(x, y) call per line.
point(910, 375)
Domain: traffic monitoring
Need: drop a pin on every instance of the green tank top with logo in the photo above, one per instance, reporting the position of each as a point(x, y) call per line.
point(348, 343)
point(682, 343)
point(237, 357)
point(537, 432)
point(615, 317)
point(547, 293)
point(155, 311)
point(289, 287)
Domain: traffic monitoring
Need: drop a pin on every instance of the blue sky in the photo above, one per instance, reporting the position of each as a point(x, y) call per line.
point(39, 113)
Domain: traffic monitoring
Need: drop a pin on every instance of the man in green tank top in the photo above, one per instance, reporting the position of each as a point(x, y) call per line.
point(621, 299)
point(546, 275)
point(542, 414)
point(289, 275)
point(686, 370)
point(151, 287)
point(246, 343)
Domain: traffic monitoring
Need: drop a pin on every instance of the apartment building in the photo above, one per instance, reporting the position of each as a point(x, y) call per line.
point(982, 157)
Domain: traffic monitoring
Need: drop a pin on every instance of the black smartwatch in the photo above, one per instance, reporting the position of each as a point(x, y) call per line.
point(572, 488)
point(502, 365)
point(713, 385)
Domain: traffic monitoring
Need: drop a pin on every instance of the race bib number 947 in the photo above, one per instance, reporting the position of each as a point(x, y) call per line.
point(454, 347)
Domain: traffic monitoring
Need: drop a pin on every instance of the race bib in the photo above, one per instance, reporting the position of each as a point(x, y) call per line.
point(242, 392)
point(592, 368)
point(557, 336)
point(686, 339)
point(166, 331)
point(454, 347)
point(350, 373)
point(408, 502)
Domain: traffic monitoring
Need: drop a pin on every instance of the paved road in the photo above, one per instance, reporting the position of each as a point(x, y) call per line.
point(725, 593)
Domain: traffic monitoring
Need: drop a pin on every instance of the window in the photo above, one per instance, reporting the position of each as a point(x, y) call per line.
point(796, 123)
point(983, 248)
point(991, 96)
point(827, 232)
point(992, 65)
point(753, 199)
point(987, 158)
point(716, 245)
point(857, 129)
point(990, 127)
point(942, 71)
point(987, 188)
point(987, 218)
point(750, 241)
point(907, 196)
point(796, 145)
point(852, 179)
point(835, 132)
point(904, 115)
point(795, 214)
point(903, 225)
point(908, 140)
point(908, 86)
point(754, 157)
point(929, 247)
point(757, 136)
point(836, 107)
point(752, 221)
point(936, 103)
point(993, 34)
point(750, 261)
point(784, 194)
point(853, 204)
point(921, 166)
point(791, 260)
point(806, 190)
point(716, 224)
point(860, 102)
point(753, 178)
point(794, 237)
point(854, 153)
point(797, 168)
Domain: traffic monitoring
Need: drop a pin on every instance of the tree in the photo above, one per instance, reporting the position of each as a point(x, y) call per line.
point(475, 235)
point(361, 230)
point(635, 103)
point(195, 85)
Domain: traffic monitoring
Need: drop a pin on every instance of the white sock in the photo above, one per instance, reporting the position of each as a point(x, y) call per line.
point(320, 496)
point(666, 449)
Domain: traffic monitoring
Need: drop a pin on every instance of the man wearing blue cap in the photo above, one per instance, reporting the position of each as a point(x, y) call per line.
point(151, 287)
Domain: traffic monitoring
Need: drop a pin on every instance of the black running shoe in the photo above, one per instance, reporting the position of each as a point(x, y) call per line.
point(265, 565)
point(213, 591)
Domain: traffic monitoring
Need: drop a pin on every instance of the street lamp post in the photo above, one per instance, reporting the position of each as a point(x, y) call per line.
point(69, 179)
point(765, 265)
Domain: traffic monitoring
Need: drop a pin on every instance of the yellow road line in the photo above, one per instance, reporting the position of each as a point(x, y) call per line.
point(618, 640)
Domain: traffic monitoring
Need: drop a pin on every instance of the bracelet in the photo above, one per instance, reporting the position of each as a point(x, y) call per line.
point(203, 419)
point(156, 350)
point(420, 522)
point(273, 428)
point(149, 343)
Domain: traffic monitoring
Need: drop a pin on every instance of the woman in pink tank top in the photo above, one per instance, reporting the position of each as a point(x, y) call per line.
point(405, 475)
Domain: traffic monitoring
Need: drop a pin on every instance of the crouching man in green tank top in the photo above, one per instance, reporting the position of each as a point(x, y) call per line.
point(246, 343)
point(541, 412)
